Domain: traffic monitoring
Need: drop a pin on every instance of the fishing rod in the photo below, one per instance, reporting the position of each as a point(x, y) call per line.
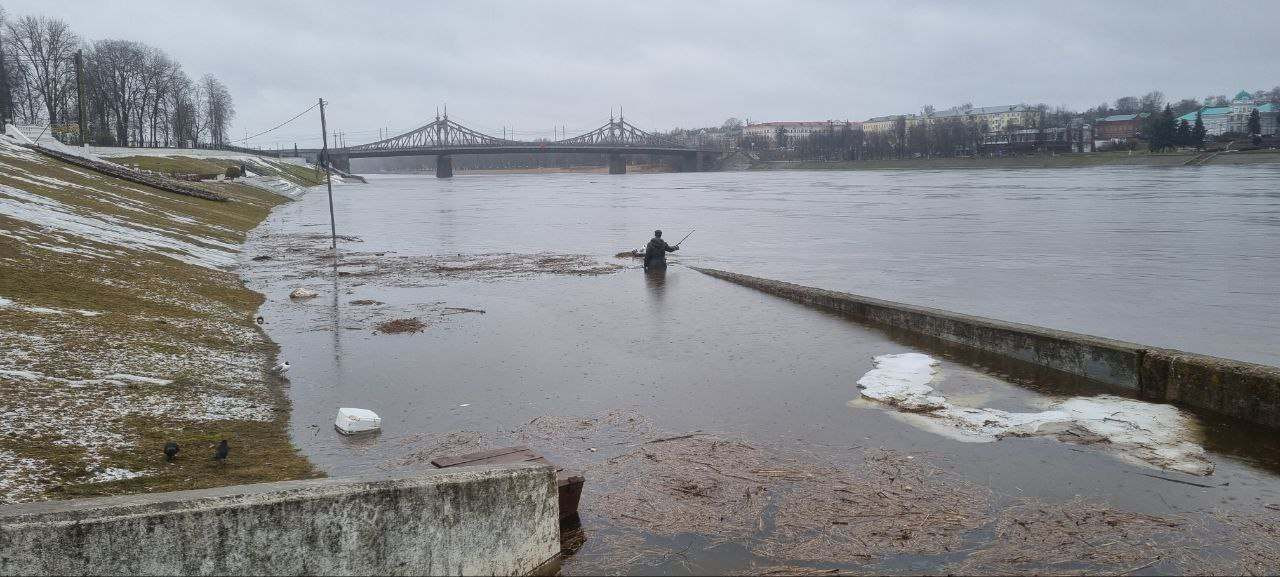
point(685, 236)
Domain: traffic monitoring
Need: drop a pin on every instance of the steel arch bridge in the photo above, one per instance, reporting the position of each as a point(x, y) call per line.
point(444, 138)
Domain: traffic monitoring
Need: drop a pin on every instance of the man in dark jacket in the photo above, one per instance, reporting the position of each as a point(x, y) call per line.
point(655, 254)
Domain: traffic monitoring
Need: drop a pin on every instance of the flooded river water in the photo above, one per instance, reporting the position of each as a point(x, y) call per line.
point(1184, 258)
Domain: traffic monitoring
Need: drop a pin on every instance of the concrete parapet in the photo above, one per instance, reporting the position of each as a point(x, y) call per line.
point(464, 521)
point(1242, 390)
point(1247, 391)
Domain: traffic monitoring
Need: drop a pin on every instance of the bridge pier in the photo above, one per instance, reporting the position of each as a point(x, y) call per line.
point(342, 163)
point(444, 166)
point(617, 163)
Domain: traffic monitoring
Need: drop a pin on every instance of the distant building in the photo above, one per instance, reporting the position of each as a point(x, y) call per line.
point(1059, 139)
point(1118, 127)
point(888, 124)
point(1234, 118)
point(996, 118)
point(792, 131)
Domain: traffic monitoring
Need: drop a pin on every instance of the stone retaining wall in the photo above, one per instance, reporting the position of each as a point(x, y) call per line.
point(463, 521)
point(1238, 389)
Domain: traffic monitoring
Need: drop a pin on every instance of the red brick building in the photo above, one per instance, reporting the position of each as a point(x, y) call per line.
point(1119, 126)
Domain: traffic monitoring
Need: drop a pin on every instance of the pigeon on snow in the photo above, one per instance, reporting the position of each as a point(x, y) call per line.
point(260, 320)
point(281, 368)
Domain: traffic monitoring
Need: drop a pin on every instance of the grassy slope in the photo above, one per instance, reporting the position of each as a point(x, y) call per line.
point(162, 318)
point(294, 173)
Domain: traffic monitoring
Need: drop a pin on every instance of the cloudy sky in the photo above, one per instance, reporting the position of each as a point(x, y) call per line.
point(531, 66)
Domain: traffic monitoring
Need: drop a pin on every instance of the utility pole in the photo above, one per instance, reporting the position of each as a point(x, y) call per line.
point(80, 104)
point(328, 179)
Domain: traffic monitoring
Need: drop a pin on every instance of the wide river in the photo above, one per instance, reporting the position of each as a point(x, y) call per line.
point(1187, 258)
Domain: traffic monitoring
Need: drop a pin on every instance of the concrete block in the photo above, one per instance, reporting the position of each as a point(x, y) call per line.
point(463, 521)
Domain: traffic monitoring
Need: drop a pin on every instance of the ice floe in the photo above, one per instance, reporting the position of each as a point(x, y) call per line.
point(1137, 431)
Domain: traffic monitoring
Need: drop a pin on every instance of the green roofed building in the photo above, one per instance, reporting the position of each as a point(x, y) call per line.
point(1235, 118)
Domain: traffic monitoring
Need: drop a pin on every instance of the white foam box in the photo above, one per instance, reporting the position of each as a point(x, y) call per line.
point(351, 421)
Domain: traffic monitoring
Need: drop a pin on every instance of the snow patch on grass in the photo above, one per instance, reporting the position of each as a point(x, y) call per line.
point(56, 216)
point(10, 304)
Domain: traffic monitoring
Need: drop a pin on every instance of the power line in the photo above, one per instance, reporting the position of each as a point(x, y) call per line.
point(281, 125)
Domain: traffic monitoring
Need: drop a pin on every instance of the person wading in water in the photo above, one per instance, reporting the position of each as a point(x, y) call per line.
point(655, 254)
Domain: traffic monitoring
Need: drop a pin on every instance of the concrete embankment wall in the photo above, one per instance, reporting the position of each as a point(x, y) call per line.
point(463, 521)
point(1246, 391)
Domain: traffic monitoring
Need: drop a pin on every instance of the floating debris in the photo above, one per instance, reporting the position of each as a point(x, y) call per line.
point(351, 421)
point(397, 326)
point(459, 310)
point(301, 293)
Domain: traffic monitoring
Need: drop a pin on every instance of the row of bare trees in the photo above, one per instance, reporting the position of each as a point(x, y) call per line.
point(135, 94)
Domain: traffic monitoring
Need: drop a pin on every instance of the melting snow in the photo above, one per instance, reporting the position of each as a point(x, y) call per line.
point(8, 303)
point(53, 215)
point(1138, 431)
point(114, 474)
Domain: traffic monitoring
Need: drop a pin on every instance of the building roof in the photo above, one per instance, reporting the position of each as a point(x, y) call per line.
point(980, 110)
point(889, 118)
point(1243, 95)
point(1118, 118)
point(797, 123)
point(1123, 117)
point(1207, 111)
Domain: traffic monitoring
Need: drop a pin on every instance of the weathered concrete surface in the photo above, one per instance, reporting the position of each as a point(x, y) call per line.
point(464, 521)
point(1243, 390)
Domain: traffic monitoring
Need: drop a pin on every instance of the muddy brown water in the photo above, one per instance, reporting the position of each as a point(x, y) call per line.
point(1174, 257)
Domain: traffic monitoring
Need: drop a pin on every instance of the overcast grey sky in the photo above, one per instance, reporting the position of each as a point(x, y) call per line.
point(535, 65)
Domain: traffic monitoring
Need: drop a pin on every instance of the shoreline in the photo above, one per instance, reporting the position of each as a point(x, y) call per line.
point(127, 326)
point(1067, 160)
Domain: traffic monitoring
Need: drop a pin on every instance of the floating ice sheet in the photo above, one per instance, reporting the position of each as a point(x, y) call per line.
point(1137, 431)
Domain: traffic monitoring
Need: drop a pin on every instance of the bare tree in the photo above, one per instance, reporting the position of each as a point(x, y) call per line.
point(1128, 105)
point(1152, 102)
point(117, 67)
point(47, 46)
point(219, 109)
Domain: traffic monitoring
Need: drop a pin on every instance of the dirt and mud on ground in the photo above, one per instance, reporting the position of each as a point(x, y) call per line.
point(121, 329)
point(652, 495)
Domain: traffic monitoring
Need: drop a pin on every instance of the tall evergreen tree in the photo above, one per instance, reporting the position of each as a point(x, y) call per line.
point(1255, 123)
point(1198, 132)
point(1183, 137)
point(1163, 131)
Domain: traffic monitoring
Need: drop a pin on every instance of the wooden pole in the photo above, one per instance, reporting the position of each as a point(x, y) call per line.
point(80, 104)
point(328, 177)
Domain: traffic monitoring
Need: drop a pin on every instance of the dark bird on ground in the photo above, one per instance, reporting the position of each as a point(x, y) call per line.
point(259, 320)
point(170, 449)
point(221, 454)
